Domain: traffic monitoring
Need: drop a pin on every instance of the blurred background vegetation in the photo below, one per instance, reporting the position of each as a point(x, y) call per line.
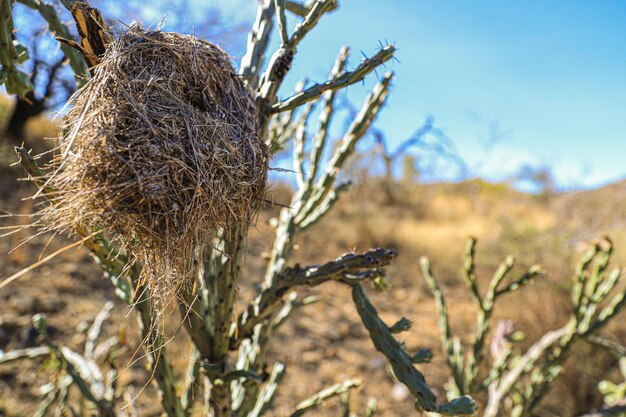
point(391, 204)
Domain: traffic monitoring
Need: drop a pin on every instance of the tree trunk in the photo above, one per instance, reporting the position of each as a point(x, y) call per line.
point(25, 108)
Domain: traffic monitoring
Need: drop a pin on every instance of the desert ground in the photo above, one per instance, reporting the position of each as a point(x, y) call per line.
point(325, 343)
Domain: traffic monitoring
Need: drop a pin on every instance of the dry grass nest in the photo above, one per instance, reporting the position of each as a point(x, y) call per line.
point(161, 146)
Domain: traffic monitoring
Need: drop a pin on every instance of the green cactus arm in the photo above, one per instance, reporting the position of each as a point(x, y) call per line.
point(359, 126)
point(616, 349)
point(401, 362)
point(305, 206)
point(423, 355)
point(581, 273)
point(325, 206)
point(193, 305)
point(265, 399)
point(524, 365)
point(76, 60)
point(316, 11)
point(94, 331)
point(319, 398)
point(469, 269)
point(16, 81)
point(282, 21)
point(282, 127)
point(191, 383)
point(532, 272)
point(348, 269)
point(476, 354)
point(454, 357)
point(297, 8)
point(19, 354)
point(258, 40)
point(280, 61)
point(341, 81)
point(299, 140)
point(290, 305)
point(326, 116)
point(372, 407)
point(498, 368)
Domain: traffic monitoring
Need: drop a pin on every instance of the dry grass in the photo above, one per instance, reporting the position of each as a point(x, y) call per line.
point(325, 342)
point(161, 146)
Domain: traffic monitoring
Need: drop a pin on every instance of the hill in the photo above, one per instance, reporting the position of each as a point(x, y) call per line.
point(325, 343)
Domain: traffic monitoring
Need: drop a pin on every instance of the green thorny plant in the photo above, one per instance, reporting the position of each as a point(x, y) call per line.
point(227, 374)
point(516, 381)
point(242, 387)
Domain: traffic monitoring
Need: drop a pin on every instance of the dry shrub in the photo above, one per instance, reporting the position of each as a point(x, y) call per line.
point(162, 146)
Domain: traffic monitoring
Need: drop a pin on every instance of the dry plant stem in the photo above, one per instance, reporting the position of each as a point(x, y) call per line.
point(19, 354)
point(90, 387)
point(502, 387)
point(94, 33)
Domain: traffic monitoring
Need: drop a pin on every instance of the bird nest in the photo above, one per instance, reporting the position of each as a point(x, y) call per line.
point(162, 146)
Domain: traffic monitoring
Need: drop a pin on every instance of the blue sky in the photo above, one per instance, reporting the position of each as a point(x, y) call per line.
point(511, 83)
point(546, 80)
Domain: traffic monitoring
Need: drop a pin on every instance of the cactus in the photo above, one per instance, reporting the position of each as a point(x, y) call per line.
point(227, 367)
point(524, 379)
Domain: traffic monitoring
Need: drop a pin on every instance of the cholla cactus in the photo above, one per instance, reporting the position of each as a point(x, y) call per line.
point(229, 359)
point(241, 387)
point(521, 380)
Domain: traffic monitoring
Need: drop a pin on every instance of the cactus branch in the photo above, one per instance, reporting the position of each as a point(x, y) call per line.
point(453, 355)
point(325, 394)
point(16, 81)
point(76, 60)
point(348, 269)
point(325, 117)
point(401, 362)
point(258, 39)
point(297, 8)
point(28, 353)
point(315, 91)
point(266, 397)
